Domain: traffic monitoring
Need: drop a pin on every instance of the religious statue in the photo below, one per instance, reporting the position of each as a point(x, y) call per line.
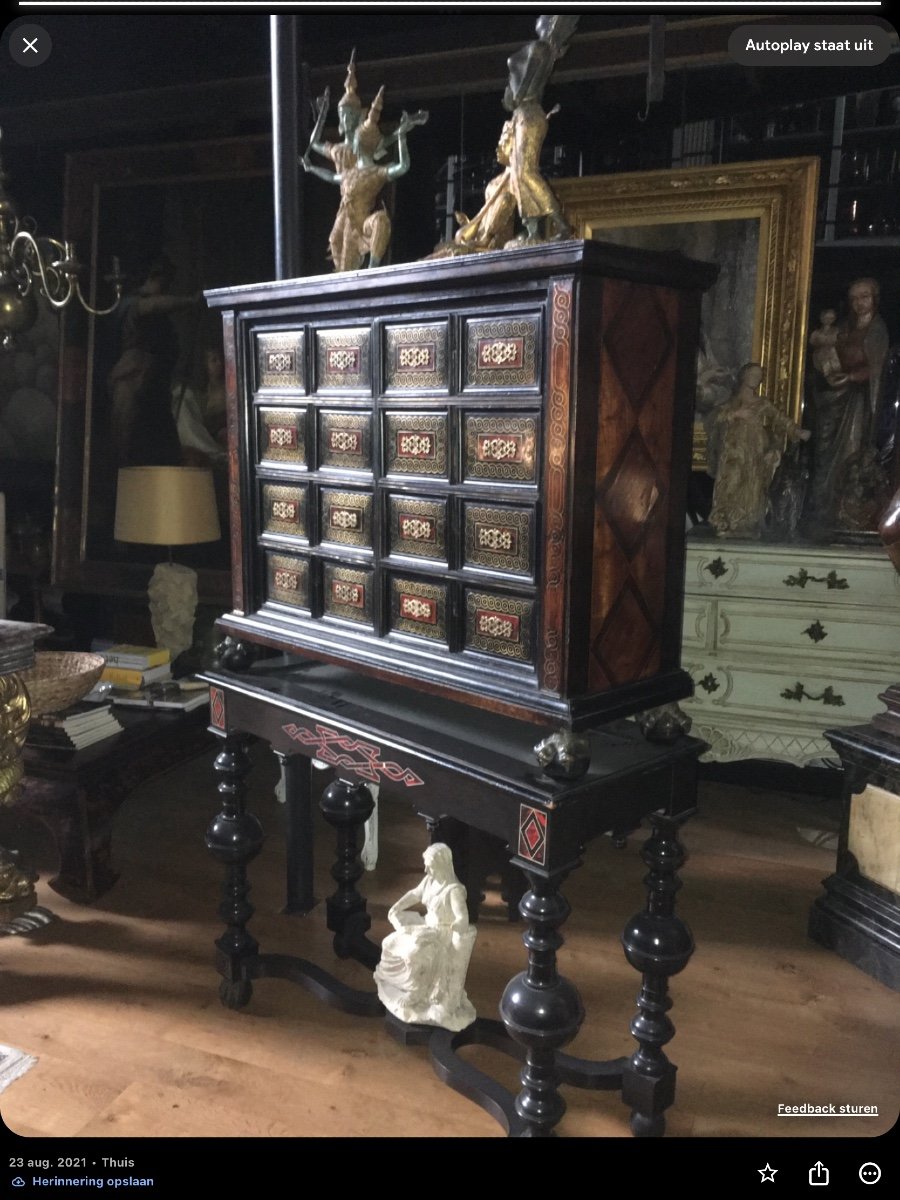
point(844, 403)
point(422, 974)
point(746, 440)
point(520, 187)
point(361, 233)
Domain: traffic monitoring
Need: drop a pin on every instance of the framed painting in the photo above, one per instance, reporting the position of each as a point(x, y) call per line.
point(757, 221)
point(145, 385)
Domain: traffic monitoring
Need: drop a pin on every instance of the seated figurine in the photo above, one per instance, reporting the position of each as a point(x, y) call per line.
point(422, 974)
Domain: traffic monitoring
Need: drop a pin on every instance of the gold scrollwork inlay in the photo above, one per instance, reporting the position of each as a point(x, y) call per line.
point(289, 580)
point(416, 356)
point(498, 538)
point(419, 608)
point(499, 625)
point(280, 360)
point(502, 353)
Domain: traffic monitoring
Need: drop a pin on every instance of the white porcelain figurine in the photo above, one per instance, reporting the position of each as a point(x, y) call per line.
point(422, 974)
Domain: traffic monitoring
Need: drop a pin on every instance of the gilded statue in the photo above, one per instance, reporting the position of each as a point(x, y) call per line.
point(361, 233)
point(747, 435)
point(520, 188)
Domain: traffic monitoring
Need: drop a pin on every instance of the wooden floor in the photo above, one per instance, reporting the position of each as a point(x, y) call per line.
point(118, 1001)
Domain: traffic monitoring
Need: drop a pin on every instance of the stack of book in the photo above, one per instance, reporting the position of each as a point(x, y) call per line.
point(78, 726)
point(135, 667)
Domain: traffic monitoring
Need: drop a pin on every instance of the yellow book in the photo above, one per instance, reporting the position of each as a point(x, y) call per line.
point(127, 678)
point(136, 658)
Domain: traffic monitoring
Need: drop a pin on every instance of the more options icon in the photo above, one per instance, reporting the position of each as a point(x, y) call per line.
point(870, 1172)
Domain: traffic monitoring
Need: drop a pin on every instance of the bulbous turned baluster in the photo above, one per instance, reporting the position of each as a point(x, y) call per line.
point(346, 807)
point(541, 1010)
point(234, 837)
point(658, 944)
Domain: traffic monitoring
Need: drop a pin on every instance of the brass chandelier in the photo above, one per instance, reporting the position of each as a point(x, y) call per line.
point(32, 264)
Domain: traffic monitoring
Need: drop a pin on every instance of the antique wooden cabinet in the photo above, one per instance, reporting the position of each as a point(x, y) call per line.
point(469, 475)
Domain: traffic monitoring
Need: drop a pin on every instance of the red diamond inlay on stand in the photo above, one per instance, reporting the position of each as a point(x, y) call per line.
point(532, 834)
point(217, 708)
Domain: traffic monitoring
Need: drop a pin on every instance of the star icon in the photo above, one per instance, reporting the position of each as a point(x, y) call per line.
point(767, 1174)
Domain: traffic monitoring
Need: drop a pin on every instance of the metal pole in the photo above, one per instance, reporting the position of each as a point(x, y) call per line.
point(284, 42)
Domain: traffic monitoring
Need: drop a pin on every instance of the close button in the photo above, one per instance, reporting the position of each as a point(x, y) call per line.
point(29, 45)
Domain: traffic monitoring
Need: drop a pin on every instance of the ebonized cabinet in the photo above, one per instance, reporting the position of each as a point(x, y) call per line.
point(469, 475)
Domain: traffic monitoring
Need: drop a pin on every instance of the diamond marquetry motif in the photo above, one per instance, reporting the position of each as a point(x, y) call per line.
point(644, 325)
point(532, 834)
point(630, 494)
point(627, 639)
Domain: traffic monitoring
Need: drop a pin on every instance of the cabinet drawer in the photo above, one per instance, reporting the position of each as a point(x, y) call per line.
point(415, 357)
point(819, 632)
point(762, 692)
point(798, 574)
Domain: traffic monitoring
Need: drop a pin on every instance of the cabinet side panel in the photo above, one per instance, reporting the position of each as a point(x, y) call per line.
point(234, 405)
point(632, 494)
point(556, 468)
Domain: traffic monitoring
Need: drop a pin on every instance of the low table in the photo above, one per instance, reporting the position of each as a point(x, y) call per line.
point(77, 794)
point(459, 767)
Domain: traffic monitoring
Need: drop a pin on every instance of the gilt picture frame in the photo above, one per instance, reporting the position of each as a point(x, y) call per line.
point(206, 209)
point(757, 220)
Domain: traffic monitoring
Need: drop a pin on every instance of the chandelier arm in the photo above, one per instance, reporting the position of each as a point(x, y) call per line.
point(28, 263)
point(97, 312)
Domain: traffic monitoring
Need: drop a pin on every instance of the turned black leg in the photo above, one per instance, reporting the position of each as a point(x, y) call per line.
point(234, 837)
point(658, 944)
point(541, 1010)
point(347, 807)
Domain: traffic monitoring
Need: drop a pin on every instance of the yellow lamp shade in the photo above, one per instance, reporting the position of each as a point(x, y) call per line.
point(166, 506)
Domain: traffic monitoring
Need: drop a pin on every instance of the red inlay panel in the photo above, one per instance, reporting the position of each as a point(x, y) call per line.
point(282, 437)
point(499, 447)
point(343, 360)
point(353, 594)
point(500, 354)
point(417, 529)
point(344, 518)
point(503, 626)
point(289, 580)
point(286, 510)
point(416, 356)
point(500, 539)
point(345, 441)
point(411, 443)
point(418, 608)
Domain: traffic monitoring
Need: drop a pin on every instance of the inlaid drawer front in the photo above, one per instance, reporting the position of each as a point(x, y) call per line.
point(288, 579)
point(279, 361)
point(284, 509)
point(348, 593)
point(501, 448)
point(346, 517)
point(345, 440)
point(415, 357)
point(282, 436)
point(342, 360)
point(502, 352)
point(499, 538)
point(417, 527)
point(415, 444)
point(499, 625)
point(419, 608)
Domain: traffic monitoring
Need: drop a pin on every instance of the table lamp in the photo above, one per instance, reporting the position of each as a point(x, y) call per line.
point(168, 506)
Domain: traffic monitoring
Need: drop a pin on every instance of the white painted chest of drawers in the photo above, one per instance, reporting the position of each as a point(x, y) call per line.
point(783, 642)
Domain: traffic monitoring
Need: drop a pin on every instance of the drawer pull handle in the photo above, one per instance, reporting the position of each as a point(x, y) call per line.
point(828, 696)
point(709, 683)
point(816, 632)
point(803, 577)
point(716, 568)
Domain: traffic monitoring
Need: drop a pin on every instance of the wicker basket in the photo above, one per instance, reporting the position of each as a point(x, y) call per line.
point(59, 678)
